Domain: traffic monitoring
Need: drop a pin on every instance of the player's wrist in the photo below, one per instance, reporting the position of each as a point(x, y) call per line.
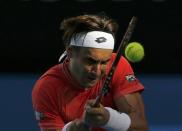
point(67, 126)
point(71, 126)
point(77, 124)
point(117, 121)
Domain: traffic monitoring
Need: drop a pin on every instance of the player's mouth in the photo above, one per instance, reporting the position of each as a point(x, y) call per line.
point(92, 79)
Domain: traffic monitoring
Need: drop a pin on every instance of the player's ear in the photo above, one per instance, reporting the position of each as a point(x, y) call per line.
point(69, 51)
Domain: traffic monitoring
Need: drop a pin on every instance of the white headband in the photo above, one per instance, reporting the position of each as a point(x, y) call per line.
point(94, 39)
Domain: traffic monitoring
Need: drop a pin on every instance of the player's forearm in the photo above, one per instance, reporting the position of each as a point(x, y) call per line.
point(138, 122)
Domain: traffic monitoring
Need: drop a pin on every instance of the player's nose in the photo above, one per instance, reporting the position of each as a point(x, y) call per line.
point(96, 69)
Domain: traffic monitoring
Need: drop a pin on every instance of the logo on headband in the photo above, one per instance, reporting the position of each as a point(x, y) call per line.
point(101, 39)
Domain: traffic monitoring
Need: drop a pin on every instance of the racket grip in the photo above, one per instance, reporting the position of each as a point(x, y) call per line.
point(97, 101)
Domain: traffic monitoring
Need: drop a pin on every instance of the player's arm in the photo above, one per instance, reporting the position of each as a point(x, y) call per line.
point(51, 120)
point(132, 104)
point(130, 118)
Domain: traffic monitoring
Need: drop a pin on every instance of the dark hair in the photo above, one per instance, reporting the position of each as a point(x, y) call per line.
point(86, 23)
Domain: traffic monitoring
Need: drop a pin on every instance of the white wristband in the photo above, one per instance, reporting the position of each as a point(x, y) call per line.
point(117, 121)
point(66, 126)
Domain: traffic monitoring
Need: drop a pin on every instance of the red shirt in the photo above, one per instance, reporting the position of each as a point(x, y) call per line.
point(60, 99)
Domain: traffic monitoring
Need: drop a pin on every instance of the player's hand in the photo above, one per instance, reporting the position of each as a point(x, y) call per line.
point(78, 125)
point(95, 116)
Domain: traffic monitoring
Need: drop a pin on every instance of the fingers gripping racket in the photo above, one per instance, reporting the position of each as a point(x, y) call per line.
point(124, 41)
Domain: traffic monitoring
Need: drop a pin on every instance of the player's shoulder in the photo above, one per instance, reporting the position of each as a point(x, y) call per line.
point(54, 72)
point(123, 61)
point(50, 80)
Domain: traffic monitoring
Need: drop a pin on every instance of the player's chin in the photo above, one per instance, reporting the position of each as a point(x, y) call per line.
point(91, 83)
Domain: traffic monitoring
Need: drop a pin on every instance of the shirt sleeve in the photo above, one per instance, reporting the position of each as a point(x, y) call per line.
point(46, 105)
point(124, 81)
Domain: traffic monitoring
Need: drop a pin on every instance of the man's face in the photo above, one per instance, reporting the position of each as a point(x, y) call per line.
point(89, 65)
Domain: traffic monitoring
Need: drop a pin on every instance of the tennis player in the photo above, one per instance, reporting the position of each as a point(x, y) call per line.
point(63, 97)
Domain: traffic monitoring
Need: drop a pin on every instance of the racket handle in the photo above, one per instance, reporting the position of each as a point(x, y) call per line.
point(97, 101)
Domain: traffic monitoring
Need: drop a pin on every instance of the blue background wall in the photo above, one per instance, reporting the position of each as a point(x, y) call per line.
point(162, 98)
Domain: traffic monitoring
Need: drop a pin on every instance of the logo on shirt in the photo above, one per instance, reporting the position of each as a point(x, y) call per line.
point(130, 78)
point(101, 39)
point(39, 115)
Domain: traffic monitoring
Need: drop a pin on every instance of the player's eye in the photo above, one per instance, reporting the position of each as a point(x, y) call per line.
point(90, 61)
point(104, 62)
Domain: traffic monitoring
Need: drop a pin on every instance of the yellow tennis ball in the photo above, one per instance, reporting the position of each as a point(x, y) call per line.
point(134, 52)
